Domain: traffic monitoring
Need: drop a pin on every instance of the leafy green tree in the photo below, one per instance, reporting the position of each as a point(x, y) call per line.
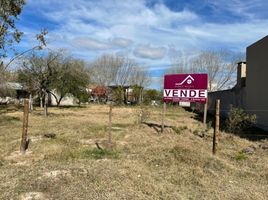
point(36, 74)
point(137, 92)
point(118, 95)
point(54, 74)
point(9, 12)
point(70, 77)
point(152, 94)
point(10, 34)
point(82, 95)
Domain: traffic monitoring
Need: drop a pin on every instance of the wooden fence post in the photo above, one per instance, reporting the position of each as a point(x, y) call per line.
point(46, 104)
point(110, 125)
point(163, 117)
point(24, 138)
point(205, 114)
point(217, 127)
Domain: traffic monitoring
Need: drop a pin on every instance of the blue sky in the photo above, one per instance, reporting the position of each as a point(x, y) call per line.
point(150, 31)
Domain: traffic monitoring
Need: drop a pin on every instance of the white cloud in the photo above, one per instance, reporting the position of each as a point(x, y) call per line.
point(89, 43)
point(117, 26)
point(248, 9)
point(121, 42)
point(146, 51)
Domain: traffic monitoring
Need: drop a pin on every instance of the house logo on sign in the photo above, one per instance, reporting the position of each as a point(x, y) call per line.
point(188, 80)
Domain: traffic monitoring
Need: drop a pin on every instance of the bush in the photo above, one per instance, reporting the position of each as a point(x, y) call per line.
point(179, 130)
point(150, 95)
point(241, 156)
point(238, 120)
point(82, 96)
point(118, 95)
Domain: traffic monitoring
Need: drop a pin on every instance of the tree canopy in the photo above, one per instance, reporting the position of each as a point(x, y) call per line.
point(54, 74)
point(219, 65)
point(9, 12)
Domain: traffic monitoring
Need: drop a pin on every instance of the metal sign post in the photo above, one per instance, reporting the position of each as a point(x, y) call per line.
point(186, 88)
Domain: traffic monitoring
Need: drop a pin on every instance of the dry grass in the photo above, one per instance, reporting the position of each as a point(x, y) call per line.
point(143, 165)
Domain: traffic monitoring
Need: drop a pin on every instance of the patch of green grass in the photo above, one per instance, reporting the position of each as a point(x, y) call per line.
point(180, 129)
point(241, 156)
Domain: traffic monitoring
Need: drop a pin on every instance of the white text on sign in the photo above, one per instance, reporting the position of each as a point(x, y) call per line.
point(185, 93)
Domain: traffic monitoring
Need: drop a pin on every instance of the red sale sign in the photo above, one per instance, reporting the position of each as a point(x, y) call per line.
point(185, 87)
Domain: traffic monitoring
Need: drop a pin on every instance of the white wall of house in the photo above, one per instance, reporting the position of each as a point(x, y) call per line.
point(68, 100)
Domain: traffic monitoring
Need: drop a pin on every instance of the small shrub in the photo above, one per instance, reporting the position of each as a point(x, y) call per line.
point(152, 95)
point(177, 130)
point(118, 95)
point(180, 129)
point(209, 125)
point(196, 131)
point(238, 120)
point(241, 156)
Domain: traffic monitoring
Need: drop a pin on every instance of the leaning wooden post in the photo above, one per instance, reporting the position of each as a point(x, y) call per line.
point(163, 116)
point(24, 139)
point(217, 127)
point(110, 125)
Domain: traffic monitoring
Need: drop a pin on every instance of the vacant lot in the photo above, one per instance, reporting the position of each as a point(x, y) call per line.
point(144, 164)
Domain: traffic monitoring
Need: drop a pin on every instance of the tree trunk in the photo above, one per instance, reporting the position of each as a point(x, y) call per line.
point(56, 98)
point(46, 105)
point(31, 102)
point(58, 101)
point(140, 95)
point(41, 102)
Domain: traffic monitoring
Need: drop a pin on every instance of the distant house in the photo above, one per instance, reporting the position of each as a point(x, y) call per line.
point(12, 92)
point(99, 93)
point(108, 93)
point(250, 92)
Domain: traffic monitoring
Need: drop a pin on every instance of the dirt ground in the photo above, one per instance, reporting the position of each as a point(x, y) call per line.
point(143, 163)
